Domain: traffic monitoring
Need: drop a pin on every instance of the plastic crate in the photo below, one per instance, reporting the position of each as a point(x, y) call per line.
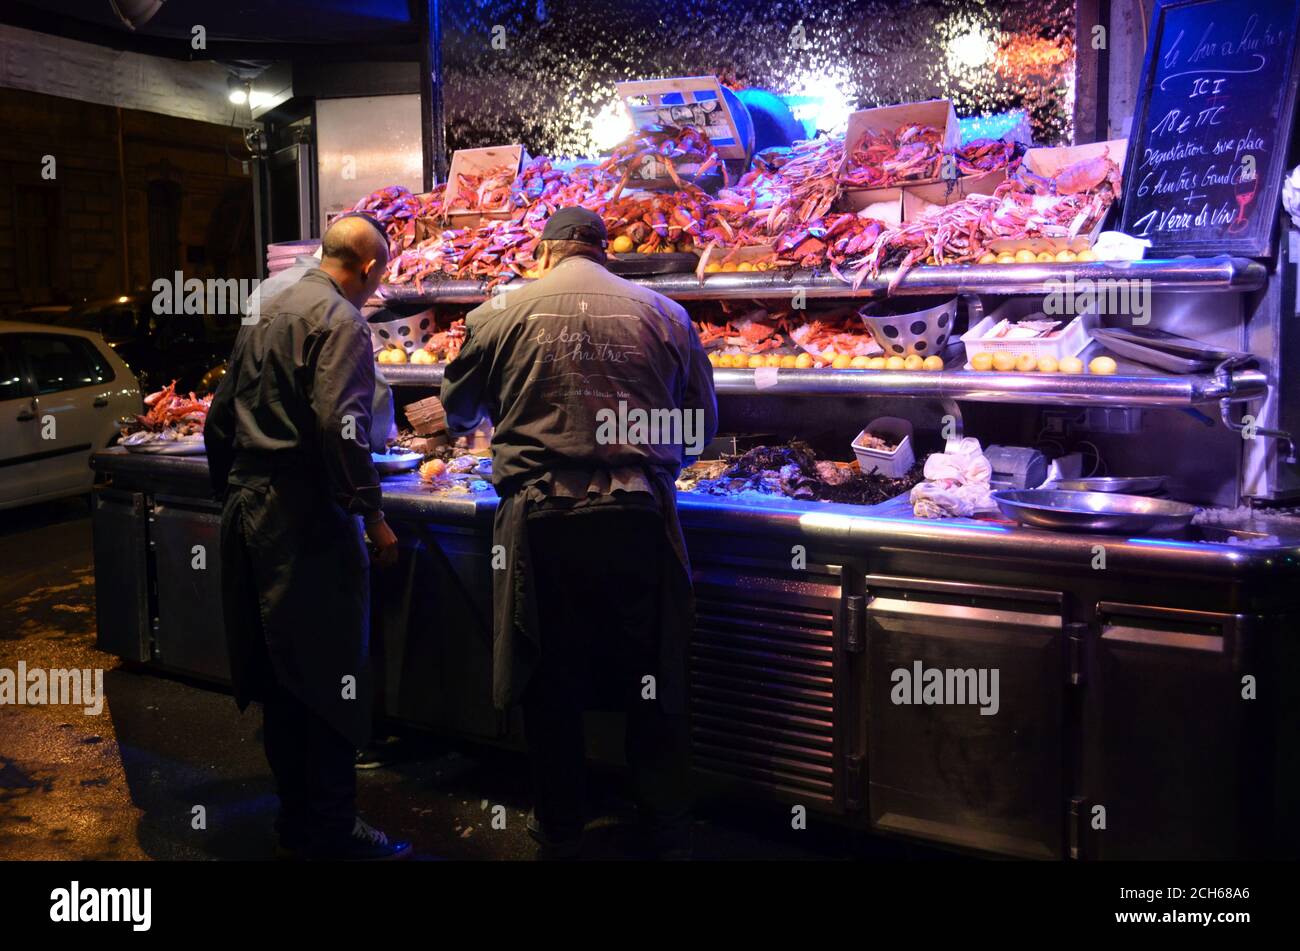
point(1070, 341)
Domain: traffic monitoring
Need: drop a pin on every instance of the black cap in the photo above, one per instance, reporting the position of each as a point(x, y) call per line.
point(575, 224)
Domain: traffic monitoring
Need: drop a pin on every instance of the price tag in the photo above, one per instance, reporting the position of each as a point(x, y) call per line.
point(765, 377)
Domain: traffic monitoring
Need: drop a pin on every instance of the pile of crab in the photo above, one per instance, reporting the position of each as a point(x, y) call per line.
point(779, 214)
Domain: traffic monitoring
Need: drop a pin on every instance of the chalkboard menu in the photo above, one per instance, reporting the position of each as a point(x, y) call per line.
point(1212, 127)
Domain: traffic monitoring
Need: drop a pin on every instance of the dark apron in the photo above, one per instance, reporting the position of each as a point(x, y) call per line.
point(296, 594)
point(516, 638)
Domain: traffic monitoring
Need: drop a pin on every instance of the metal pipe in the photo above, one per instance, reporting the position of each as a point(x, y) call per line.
point(433, 128)
point(1057, 389)
point(1183, 275)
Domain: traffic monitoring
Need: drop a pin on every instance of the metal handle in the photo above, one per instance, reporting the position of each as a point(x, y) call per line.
point(27, 414)
point(100, 402)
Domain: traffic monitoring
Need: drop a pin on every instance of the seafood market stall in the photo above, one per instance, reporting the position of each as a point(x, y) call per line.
point(1120, 686)
point(1066, 499)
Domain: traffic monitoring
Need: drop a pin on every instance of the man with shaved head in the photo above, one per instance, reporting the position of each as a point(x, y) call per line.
point(289, 453)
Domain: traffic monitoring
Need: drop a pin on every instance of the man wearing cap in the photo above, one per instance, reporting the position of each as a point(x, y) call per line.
point(593, 603)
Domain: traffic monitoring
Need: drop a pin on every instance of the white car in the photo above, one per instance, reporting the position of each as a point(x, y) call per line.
point(61, 393)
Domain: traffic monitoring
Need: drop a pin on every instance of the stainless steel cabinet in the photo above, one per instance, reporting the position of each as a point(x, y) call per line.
point(965, 688)
point(185, 538)
point(1177, 762)
point(121, 573)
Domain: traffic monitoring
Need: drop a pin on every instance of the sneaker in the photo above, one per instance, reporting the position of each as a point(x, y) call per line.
point(380, 753)
point(366, 844)
point(552, 848)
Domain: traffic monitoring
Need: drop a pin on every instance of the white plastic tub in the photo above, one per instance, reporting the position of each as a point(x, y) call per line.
point(892, 464)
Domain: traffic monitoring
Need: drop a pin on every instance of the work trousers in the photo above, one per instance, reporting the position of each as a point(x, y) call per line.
point(597, 578)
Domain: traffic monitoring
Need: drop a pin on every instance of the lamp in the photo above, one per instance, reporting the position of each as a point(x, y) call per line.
point(135, 13)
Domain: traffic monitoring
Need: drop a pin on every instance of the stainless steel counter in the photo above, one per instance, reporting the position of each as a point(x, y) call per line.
point(851, 527)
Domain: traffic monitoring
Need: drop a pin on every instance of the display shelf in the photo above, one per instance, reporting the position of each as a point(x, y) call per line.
point(1181, 275)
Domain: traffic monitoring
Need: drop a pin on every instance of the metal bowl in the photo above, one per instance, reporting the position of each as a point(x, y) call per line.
point(1129, 485)
point(1094, 511)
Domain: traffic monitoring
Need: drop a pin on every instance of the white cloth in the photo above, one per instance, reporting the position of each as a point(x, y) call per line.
point(957, 483)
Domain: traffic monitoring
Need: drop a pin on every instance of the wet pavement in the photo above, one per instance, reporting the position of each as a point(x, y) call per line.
point(171, 770)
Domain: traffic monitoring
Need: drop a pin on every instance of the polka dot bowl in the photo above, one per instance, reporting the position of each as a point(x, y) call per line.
point(911, 325)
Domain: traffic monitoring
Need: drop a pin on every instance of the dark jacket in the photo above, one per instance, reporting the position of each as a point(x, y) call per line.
point(288, 450)
point(550, 364)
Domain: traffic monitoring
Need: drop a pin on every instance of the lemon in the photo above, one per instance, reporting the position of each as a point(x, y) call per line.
point(1027, 363)
point(933, 362)
point(860, 363)
point(982, 361)
point(1066, 256)
point(1085, 255)
point(744, 266)
point(988, 257)
point(876, 363)
point(1071, 365)
point(755, 362)
point(1047, 365)
point(773, 360)
point(382, 356)
point(913, 361)
point(895, 363)
point(621, 245)
point(1045, 257)
point(789, 361)
point(714, 359)
point(803, 361)
point(729, 266)
point(1104, 366)
point(1025, 256)
point(397, 355)
point(713, 267)
point(842, 362)
point(1003, 362)
point(1006, 257)
point(829, 356)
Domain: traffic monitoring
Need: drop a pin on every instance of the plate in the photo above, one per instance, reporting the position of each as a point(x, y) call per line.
point(390, 463)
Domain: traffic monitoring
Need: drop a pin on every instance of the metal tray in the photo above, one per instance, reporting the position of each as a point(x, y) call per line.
point(1094, 511)
point(1128, 485)
point(1175, 344)
point(1169, 362)
point(632, 265)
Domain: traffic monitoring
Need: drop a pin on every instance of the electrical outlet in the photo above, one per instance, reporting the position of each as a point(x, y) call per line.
point(1056, 421)
point(1123, 420)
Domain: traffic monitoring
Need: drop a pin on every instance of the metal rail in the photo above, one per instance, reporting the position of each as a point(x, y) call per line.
point(1057, 389)
point(1222, 274)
